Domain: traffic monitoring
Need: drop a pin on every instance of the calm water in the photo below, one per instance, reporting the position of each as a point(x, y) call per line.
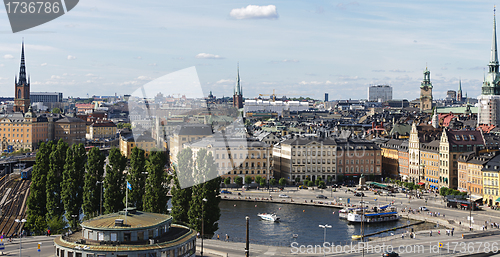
point(295, 219)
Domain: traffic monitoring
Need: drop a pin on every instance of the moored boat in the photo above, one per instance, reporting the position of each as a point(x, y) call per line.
point(382, 214)
point(269, 216)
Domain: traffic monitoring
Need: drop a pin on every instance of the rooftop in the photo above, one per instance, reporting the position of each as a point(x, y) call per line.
point(133, 221)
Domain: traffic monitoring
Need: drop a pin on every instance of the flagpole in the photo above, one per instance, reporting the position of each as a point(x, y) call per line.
point(126, 202)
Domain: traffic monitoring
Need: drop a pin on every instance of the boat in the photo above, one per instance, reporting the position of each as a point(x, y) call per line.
point(269, 216)
point(382, 214)
point(343, 213)
point(356, 236)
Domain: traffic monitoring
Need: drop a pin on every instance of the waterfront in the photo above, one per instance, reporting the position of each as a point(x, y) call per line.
point(300, 220)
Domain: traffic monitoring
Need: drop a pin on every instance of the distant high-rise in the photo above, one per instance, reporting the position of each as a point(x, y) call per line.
point(426, 91)
point(489, 100)
point(326, 97)
point(22, 88)
point(238, 92)
point(382, 93)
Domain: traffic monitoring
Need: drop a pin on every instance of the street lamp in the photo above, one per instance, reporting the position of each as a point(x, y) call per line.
point(324, 236)
point(202, 223)
point(470, 207)
point(21, 236)
point(100, 182)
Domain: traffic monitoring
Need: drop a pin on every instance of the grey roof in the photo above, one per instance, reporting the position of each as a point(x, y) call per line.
point(493, 164)
point(308, 140)
point(70, 120)
point(193, 129)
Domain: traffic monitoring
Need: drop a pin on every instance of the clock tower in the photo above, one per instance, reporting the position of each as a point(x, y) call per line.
point(426, 92)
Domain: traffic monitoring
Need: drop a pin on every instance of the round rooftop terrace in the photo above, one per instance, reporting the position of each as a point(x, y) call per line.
point(134, 220)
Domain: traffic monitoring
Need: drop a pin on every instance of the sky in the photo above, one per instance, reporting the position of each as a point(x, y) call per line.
point(298, 48)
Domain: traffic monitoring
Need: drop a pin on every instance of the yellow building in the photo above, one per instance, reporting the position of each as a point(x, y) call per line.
point(429, 162)
point(102, 130)
point(490, 181)
point(128, 142)
point(184, 134)
point(390, 158)
point(23, 131)
point(70, 129)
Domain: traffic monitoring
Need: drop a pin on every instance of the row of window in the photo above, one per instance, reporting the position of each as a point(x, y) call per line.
point(247, 172)
point(313, 161)
point(235, 156)
point(312, 169)
point(252, 165)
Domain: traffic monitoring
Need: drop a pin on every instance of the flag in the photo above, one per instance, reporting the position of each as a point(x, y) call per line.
point(129, 186)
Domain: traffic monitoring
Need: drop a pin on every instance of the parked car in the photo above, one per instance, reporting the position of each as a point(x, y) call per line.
point(321, 197)
point(284, 196)
point(359, 194)
point(423, 208)
point(225, 192)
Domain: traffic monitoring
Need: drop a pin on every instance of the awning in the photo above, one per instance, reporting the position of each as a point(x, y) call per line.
point(420, 183)
point(498, 199)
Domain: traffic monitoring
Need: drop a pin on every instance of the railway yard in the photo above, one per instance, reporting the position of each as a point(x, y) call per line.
point(13, 196)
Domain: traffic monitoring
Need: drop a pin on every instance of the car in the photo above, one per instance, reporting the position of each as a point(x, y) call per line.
point(225, 192)
point(321, 197)
point(359, 194)
point(390, 254)
point(423, 208)
point(302, 187)
point(284, 196)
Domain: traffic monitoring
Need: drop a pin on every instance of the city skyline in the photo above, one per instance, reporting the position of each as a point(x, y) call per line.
point(297, 48)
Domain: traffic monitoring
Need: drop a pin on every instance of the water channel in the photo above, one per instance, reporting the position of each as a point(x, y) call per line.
point(302, 221)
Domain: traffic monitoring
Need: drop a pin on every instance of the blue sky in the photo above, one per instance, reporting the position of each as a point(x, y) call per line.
point(296, 47)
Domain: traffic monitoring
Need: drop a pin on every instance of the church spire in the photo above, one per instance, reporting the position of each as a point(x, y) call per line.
point(493, 66)
point(238, 90)
point(22, 70)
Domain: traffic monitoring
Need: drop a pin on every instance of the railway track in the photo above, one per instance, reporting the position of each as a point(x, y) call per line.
point(15, 206)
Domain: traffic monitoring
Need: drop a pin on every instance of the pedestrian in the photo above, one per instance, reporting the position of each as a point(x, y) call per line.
point(198, 235)
point(227, 238)
point(439, 232)
point(217, 236)
point(430, 233)
point(452, 229)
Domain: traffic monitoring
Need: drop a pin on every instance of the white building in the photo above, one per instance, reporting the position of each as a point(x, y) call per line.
point(488, 110)
point(255, 106)
point(379, 93)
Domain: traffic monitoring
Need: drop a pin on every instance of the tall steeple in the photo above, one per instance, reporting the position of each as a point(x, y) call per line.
point(22, 70)
point(493, 65)
point(459, 93)
point(238, 90)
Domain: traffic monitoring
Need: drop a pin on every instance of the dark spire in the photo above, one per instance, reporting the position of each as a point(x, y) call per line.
point(22, 71)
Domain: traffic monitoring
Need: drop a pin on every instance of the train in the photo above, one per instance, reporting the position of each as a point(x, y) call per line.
point(26, 173)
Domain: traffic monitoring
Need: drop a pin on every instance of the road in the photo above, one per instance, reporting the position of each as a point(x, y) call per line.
point(30, 247)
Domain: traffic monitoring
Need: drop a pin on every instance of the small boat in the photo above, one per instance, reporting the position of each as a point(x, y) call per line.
point(295, 235)
point(356, 237)
point(269, 216)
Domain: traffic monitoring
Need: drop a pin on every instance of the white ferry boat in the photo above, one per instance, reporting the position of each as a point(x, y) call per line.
point(344, 212)
point(269, 216)
point(382, 214)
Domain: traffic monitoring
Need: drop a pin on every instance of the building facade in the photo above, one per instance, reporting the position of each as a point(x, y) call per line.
point(379, 93)
point(426, 92)
point(46, 97)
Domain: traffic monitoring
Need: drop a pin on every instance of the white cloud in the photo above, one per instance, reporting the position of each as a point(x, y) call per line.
point(222, 81)
point(311, 83)
point(269, 83)
point(152, 64)
point(8, 56)
point(71, 57)
point(55, 77)
point(255, 12)
point(90, 75)
point(294, 60)
point(43, 64)
point(208, 56)
point(143, 78)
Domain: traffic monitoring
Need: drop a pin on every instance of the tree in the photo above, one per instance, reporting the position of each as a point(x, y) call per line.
point(200, 209)
point(239, 181)
point(258, 179)
point(282, 181)
point(297, 179)
point(262, 182)
point(248, 180)
point(91, 191)
point(114, 182)
point(272, 182)
point(72, 187)
point(55, 206)
point(185, 167)
point(56, 224)
point(137, 177)
point(227, 181)
point(56, 110)
point(37, 199)
point(155, 198)
point(322, 184)
point(181, 199)
point(317, 181)
point(310, 183)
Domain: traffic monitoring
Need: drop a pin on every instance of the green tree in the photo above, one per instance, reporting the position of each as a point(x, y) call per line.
point(262, 183)
point(297, 179)
point(72, 186)
point(443, 190)
point(37, 199)
point(258, 179)
point(181, 198)
point(310, 183)
point(282, 181)
point(210, 208)
point(55, 206)
point(272, 182)
point(317, 181)
point(155, 198)
point(248, 180)
point(56, 110)
point(91, 190)
point(56, 224)
point(114, 182)
point(137, 177)
point(185, 167)
point(239, 181)
point(227, 181)
point(322, 184)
